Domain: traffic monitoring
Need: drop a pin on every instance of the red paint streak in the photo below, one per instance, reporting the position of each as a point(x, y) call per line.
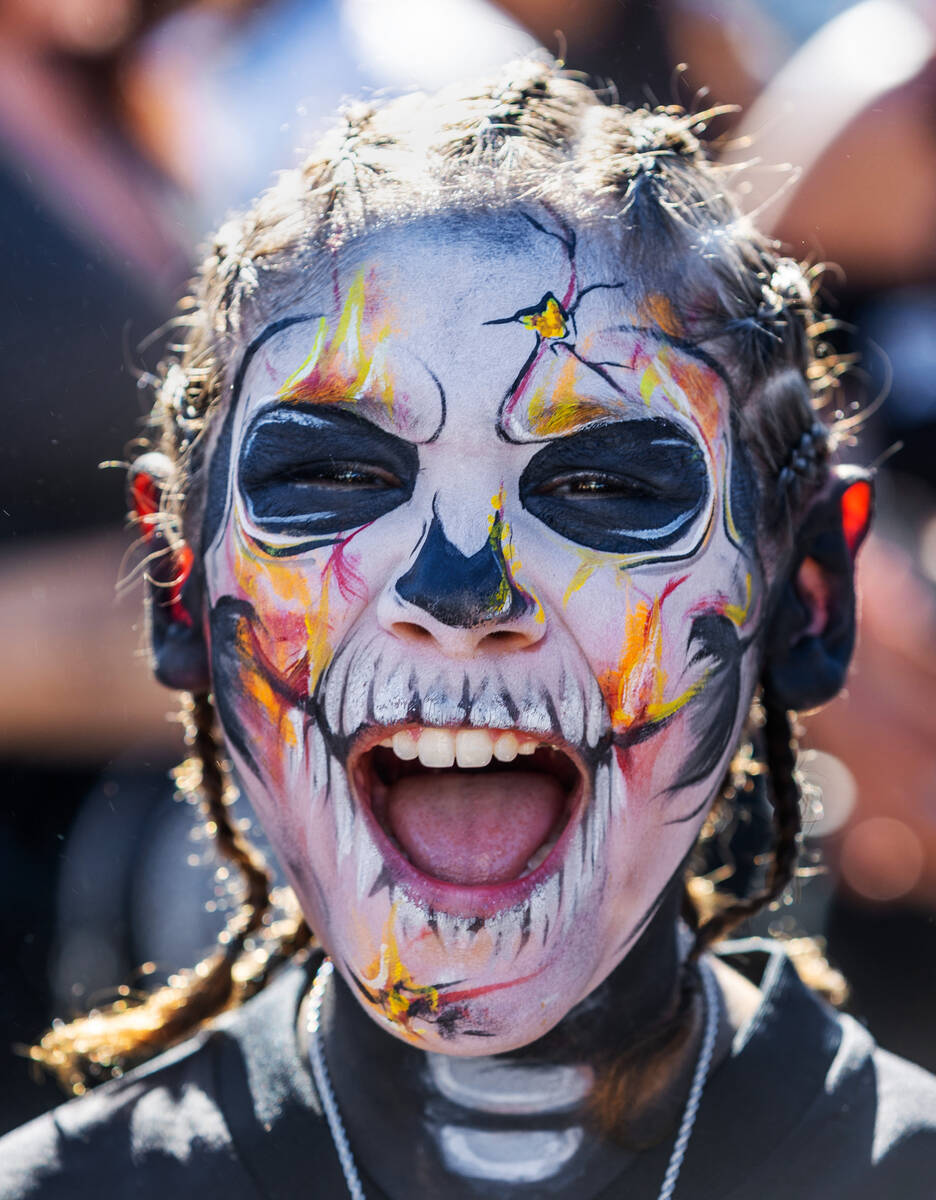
point(856, 514)
point(655, 603)
point(350, 583)
point(671, 587)
point(184, 560)
point(714, 604)
point(570, 290)
point(623, 756)
point(524, 380)
point(293, 688)
point(145, 493)
point(472, 993)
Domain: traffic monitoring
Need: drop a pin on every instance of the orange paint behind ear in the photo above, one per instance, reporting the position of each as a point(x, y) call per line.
point(856, 513)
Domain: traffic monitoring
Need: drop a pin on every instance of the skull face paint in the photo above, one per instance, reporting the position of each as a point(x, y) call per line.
point(484, 590)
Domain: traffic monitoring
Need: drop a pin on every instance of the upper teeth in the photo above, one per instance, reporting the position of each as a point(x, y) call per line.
point(467, 747)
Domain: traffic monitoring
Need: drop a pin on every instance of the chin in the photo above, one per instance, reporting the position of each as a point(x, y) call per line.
point(462, 940)
point(474, 848)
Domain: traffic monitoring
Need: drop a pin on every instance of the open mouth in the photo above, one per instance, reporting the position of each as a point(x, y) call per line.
point(470, 820)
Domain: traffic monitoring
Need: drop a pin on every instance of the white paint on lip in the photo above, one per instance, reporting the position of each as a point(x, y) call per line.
point(492, 1086)
point(517, 1156)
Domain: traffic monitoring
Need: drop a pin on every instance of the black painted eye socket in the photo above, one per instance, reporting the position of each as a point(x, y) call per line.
point(306, 471)
point(629, 487)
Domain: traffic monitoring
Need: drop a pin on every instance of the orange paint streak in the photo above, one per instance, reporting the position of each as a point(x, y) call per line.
point(556, 407)
point(698, 384)
point(635, 690)
point(656, 309)
point(391, 987)
point(348, 361)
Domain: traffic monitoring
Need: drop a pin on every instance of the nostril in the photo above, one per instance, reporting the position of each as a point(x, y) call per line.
point(409, 631)
point(506, 639)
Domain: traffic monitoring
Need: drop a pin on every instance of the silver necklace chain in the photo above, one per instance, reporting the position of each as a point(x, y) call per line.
point(340, 1137)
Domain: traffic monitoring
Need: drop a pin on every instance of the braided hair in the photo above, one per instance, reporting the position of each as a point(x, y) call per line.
point(533, 134)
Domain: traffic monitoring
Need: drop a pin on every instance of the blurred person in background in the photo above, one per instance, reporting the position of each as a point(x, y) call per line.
point(863, 201)
point(107, 173)
point(847, 91)
point(92, 247)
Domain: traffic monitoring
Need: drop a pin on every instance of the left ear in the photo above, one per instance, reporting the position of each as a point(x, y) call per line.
point(178, 653)
point(811, 635)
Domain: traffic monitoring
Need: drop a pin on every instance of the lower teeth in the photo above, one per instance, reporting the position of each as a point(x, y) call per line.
point(539, 857)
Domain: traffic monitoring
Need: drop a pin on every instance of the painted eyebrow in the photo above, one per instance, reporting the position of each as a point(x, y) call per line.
point(261, 340)
point(692, 349)
point(285, 323)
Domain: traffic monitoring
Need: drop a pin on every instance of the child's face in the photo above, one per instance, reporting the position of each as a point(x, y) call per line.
point(477, 496)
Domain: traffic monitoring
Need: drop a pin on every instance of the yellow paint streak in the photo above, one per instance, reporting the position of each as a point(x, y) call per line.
point(308, 362)
point(391, 986)
point(733, 531)
point(548, 322)
point(555, 408)
point(347, 362)
point(737, 613)
point(583, 572)
point(500, 537)
point(649, 381)
point(318, 646)
point(635, 689)
point(273, 583)
point(254, 683)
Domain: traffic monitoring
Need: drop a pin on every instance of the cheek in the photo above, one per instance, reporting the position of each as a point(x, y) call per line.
point(273, 626)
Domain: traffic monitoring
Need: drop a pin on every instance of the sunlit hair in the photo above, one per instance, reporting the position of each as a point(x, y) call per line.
point(532, 135)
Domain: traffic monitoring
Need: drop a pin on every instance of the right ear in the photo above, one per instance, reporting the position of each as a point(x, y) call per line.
point(173, 599)
point(812, 633)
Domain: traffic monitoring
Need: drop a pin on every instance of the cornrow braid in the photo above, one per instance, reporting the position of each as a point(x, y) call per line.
point(531, 114)
point(110, 1039)
point(780, 753)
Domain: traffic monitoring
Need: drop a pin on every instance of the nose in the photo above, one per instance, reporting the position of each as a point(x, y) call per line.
point(465, 604)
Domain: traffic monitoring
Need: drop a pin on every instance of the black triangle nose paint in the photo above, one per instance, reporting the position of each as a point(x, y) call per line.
point(461, 590)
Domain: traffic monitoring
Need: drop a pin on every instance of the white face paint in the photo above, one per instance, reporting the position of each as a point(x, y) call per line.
point(483, 587)
point(498, 1087)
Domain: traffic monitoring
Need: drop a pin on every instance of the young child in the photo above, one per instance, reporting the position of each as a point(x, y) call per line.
point(487, 496)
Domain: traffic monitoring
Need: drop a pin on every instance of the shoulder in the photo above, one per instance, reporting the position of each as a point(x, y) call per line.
point(194, 1121)
point(164, 1117)
point(891, 1105)
point(838, 1118)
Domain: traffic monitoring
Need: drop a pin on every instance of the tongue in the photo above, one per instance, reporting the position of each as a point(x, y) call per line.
point(473, 828)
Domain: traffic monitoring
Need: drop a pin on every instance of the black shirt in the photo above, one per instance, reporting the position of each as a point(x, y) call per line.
point(806, 1105)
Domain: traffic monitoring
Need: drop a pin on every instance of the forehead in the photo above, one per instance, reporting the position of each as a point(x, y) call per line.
point(500, 315)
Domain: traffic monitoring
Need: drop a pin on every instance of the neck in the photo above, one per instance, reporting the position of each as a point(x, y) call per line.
point(440, 1124)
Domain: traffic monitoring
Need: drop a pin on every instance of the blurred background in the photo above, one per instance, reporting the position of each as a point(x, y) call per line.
point(128, 128)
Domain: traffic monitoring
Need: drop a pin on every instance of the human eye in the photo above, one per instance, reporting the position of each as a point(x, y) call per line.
point(626, 487)
point(591, 485)
point(306, 471)
point(341, 476)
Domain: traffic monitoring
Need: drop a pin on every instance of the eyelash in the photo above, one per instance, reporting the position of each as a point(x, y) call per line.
point(347, 474)
point(583, 484)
